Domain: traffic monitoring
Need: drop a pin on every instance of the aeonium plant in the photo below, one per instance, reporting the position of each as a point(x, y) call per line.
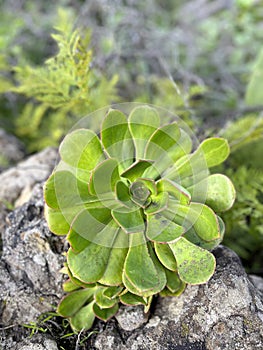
point(138, 206)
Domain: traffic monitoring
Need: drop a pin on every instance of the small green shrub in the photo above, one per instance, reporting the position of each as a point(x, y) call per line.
point(63, 90)
point(138, 206)
point(244, 221)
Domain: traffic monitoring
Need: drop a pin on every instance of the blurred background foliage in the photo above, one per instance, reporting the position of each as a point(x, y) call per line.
point(200, 59)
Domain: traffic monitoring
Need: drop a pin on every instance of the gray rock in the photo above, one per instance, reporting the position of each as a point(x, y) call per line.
point(18, 182)
point(130, 318)
point(30, 282)
point(257, 281)
point(12, 150)
point(226, 313)
point(38, 342)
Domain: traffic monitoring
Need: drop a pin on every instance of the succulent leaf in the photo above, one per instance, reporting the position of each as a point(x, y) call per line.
point(158, 203)
point(142, 268)
point(132, 299)
point(174, 283)
point(84, 318)
point(106, 313)
point(71, 303)
point(82, 150)
point(102, 301)
point(162, 230)
point(195, 265)
point(131, 221)
point(104, 178)
point(197, 216)
point(113, 273)
point(143, 122)
point(136, 169)
point(174, 189)
point(116, 138)
point(165, 255)
point(220, 194)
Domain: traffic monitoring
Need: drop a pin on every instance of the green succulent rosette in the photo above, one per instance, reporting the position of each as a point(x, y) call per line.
point(138, 206)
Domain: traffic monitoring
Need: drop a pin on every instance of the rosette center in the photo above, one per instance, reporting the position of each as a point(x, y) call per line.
point(140, 193)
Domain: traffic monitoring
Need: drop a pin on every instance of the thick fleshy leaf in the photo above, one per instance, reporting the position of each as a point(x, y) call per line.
point(129, 285)
point(161, 229)
point(193, 168)
point(123, 194)
point(194, 238)
point(130, 220)
point(112, 292)
point(64, 190)
point(90, 264)
point(59, 222)
point(142, 268)
point(195, 265)
point(103, 179)
point(187, 170)
point(83, 319)
point(143, 121)
point(215, 150)
point(167, 293)
point(69, 286)
point(117, 139)
point(105, 314)
point(182, 147)
point(79, 283)
point(102, 301)
point(174, 189)
point(158, 203)
point(220, 192)
point(197, 216)
point(132, 299)
point(76, 241)
point(136, 170)
point(174, 283)
point(113, 272)
point(88, 224)
point(165, 255)
point(163, 142)
point(71, 303)
point(82, 149)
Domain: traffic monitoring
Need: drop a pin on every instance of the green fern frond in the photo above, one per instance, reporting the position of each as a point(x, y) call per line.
point(64, 89)
point(244, 131)
point(244, 222)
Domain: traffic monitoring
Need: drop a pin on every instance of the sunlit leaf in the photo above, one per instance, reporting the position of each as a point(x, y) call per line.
point(174, 189)
point(220, 194)
point(142, 267)
point(161, 229)
point(195, 265)
point(113, 273)
point(105, 314)
point(132, 299)
point(71, 303)
point(158, 203)
point(165, 255)
point(117, 139)
point(104, 178)
point(143, 121)
point(82, 149)
point(84, 318)
point(136, 170)
point(130, 220)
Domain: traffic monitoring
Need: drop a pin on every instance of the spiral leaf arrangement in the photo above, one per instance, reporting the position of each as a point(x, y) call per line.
point(138, 206)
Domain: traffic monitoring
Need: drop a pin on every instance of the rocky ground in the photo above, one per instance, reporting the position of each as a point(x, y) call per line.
point(226, 313)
